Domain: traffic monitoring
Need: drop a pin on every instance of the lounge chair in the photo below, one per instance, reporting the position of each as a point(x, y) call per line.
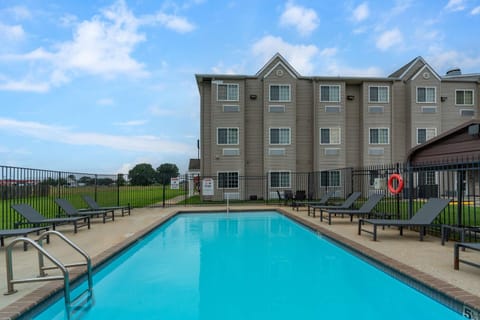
point(33, 217)
point(321, 202)
point(93, 205)
point(423, 218)
point(364, 210)
point(287, 195)
point(345, 205)
point(71, 211)
point(20, 232)
point(456, 254)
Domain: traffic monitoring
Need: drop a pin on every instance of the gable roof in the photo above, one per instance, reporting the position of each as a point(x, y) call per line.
point(403, 71)
point(270, 65)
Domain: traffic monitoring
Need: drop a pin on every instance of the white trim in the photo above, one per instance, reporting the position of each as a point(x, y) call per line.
point(227, 84)
point(278, 85)
point(376, 151)
point(280, 63)
point(280, 171)
point(329, 85)
point(425, 87)
point(229, 144)
point(231, 105)
point(331, 152)
point(330, 130)
point(426, 135)
point(329, 179)
point(421, 71)
point(378, 128)
point(279, 144)
point(276, 152)
point(462, 110)
point(338, 109)
point(278, 108)
point(231, 152)
point(465, 105)
point(379, 86)
point(238, 179)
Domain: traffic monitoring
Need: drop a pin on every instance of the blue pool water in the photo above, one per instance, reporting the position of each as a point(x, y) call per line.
point(246, 266)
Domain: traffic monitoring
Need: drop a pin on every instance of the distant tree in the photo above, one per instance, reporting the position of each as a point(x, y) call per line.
point(142, 174)
point(105, 181)
point(88, 181)
point(120, 180)
point(166, 171)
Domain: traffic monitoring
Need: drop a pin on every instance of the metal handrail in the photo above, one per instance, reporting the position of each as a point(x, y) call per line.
point(43, 276)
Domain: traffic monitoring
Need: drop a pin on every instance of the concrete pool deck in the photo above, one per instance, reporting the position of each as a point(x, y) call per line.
point(426, 261)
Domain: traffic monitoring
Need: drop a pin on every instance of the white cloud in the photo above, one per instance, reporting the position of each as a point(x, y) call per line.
point(179, 24)
point(131, 123)
point(328, 52)
point(11, 32)
point(442, 59)
point(158, 111)
point(23, 85)
point(455, 5)
point(389, 39)
point(333, 68)
point(475, 11)
point(19, 12)
point(300, 56)
point(105, 102)
point(361, 12)
point(65, 135)
point(303, 19)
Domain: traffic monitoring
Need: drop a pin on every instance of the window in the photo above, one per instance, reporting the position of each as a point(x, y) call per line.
point(427, 178)
point(378, 94)
point(467, 113)
point(330, 93)
point(279, 109)
point(330, 178)
point(228, 180)
point(280, 92)
point(424, 134)
point(464, 97)
point(227, 92)
point(279, 135)
point(280, 179)
point(379, 136)
point(329, 135)
point(426, 95)
point(335, 109)
point(227, 135)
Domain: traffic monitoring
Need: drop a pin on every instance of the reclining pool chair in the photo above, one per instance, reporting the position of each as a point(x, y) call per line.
point(456, 254)
point(33, 217)
point(321, 202)
point(71, 211)
point(345, 205)
point(20, 232)
point(423, 218)
point(93, 205)
point(364, 210)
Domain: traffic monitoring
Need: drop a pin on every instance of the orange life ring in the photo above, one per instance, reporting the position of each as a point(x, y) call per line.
point(399, 187)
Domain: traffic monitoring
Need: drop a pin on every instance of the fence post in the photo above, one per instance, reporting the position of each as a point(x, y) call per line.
point(410, 189)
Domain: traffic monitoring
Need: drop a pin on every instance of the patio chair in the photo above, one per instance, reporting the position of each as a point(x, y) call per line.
point(423, 218)
point(33, 217)
point(93, 205)
point(20, 232)
point(71, 211)
point(321, 202)
point(456, 254)
point(345, 205)
point(287, 196)
point(364, 210)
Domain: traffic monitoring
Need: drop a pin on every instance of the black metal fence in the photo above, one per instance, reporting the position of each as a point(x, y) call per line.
point(459, 181)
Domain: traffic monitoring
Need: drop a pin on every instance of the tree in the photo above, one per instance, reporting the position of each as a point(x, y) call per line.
point(142, 174)
point(166, 171)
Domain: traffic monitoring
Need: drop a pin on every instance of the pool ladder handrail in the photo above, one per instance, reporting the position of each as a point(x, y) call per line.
point(57, 265)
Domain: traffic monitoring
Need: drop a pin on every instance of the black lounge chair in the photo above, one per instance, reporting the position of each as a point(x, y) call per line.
point(345, 205)
point(287, 196)
point(364, 210)
point(423, 218)
point(93, 205)
point(321, 202)
point(71, 211)
point(456, 254)
point(20, 232)
point(33, 217)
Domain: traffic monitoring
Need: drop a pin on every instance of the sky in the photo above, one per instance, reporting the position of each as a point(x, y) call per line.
point(98, 86)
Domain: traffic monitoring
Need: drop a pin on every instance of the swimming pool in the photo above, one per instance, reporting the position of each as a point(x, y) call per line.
point(251, 265)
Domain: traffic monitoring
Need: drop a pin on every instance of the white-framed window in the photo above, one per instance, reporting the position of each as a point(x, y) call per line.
point(329, 93)
point(330, 178)
point(378, 93)
point(227, 92)
point(279, 135)
point(427, 178)
point(227, 136)
point(280, 92)
point(228, 179)
point(426, 94)
point(424, 134)
point(330, 135)
point(464, 97)
point(379, 136)
point(279, 179)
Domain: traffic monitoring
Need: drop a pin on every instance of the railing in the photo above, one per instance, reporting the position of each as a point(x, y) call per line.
point(56, 265)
